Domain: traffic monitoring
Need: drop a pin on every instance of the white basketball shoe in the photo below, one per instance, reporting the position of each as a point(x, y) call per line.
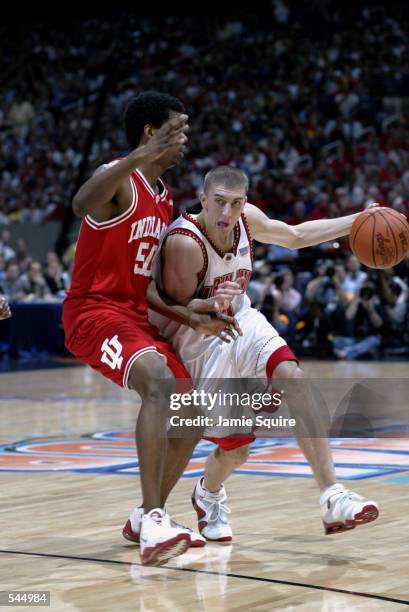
point(212, 514)
point(342, 509)
point(159, 542)
point(132, 528)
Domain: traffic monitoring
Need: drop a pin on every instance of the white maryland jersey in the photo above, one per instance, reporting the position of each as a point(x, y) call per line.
point(218, 267)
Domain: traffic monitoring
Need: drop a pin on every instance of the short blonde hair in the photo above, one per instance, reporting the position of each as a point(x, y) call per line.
point(228, 176)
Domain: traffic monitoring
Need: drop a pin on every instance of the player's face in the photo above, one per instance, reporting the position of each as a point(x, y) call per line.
point(223, 207)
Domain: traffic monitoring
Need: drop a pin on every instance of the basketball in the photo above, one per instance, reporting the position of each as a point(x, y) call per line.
point(379, 237)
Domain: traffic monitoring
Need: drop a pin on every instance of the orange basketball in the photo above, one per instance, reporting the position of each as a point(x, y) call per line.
point(379, 237)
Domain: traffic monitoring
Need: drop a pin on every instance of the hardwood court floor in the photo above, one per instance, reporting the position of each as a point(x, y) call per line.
point(61, 531)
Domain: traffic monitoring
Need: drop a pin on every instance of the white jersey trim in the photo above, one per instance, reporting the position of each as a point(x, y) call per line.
point(100, 225)
point(131, 361)
point(162, 195)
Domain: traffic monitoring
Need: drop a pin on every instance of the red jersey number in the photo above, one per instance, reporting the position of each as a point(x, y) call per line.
point(143, 259)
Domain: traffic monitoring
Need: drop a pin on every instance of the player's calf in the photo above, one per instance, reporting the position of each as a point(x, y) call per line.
point(209, 496)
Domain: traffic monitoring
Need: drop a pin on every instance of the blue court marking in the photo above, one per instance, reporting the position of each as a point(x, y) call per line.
point(374, 450)
point(369, 474)
point(398, 480)
point(129, 465)
point(360, 466)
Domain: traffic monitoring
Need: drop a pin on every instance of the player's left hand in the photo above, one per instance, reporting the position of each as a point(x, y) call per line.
point(377, 205)
point(5, 312)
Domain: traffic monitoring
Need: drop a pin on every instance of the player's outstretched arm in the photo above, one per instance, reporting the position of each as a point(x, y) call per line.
point(111, 181)
point(299, 236)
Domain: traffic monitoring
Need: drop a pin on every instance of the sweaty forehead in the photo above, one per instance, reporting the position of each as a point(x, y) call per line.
point(228, 193)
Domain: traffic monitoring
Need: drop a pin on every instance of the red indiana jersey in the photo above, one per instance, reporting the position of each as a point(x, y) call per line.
point(113, 258)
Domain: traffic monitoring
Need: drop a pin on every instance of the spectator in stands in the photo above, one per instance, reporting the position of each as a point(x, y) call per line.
point(33, 284)
point(367, 324)
point(5, 245)
point(355, 276)
point(57, 280)
point(284, 292)
point(21, 250)
point(12, 286)
point(327, 287)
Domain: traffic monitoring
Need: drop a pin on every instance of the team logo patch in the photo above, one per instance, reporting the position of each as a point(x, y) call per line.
point(113, 452)
point(243, 251)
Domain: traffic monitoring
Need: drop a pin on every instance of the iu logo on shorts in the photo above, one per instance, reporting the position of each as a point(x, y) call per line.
point(111, 352)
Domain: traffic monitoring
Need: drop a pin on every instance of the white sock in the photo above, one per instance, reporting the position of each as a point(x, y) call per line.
point(203, 488)
point(331, 490)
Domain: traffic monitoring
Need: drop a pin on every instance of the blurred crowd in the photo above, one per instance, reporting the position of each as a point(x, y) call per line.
point(339, 308)
point(311, 102)
point(25, 279)
point(319, 132)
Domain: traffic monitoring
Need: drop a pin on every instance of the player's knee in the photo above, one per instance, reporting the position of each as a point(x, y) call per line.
point(288, 370)
point(152, 379)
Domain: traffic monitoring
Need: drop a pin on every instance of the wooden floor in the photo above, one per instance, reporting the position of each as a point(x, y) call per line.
point(61, 530)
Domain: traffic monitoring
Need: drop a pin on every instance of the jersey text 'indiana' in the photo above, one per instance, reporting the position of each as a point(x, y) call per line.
point(148, 226)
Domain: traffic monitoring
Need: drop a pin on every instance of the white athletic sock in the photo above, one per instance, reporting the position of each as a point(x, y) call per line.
point(203, 490)
point(332, 490)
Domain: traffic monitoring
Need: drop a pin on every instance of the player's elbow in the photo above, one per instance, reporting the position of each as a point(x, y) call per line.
point(78, 206)
point(297, 239)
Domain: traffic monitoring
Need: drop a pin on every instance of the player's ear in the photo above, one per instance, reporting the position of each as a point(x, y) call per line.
point(203, 199)
point(149, 130)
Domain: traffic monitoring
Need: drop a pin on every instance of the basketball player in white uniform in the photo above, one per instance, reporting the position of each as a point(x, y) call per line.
point(210, 253)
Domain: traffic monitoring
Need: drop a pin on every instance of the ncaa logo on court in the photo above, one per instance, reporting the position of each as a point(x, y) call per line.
point(113, 452)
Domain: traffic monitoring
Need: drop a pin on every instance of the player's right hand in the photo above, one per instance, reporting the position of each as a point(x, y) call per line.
point(5, 312)
point(220, 325)
point(224, 295)
point(172, 134)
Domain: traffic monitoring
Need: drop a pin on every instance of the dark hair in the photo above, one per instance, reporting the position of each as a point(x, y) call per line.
point(148, 107)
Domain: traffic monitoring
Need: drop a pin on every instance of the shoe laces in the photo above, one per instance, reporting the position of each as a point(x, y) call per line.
point(346, 497)
point(217, 509)
point(179, 526)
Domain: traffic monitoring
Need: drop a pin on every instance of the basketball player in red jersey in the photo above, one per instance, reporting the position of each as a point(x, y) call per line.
point(198, 253)
point(5, 312)
point(125, 208)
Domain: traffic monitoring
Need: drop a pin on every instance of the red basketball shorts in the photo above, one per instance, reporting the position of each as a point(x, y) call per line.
point(112, 341)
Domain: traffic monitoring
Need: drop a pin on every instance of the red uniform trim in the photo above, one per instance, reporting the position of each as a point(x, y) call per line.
point(246, 227)
point(221, 253)
point(101, 225)
point(284, 353)
point(229, 443)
